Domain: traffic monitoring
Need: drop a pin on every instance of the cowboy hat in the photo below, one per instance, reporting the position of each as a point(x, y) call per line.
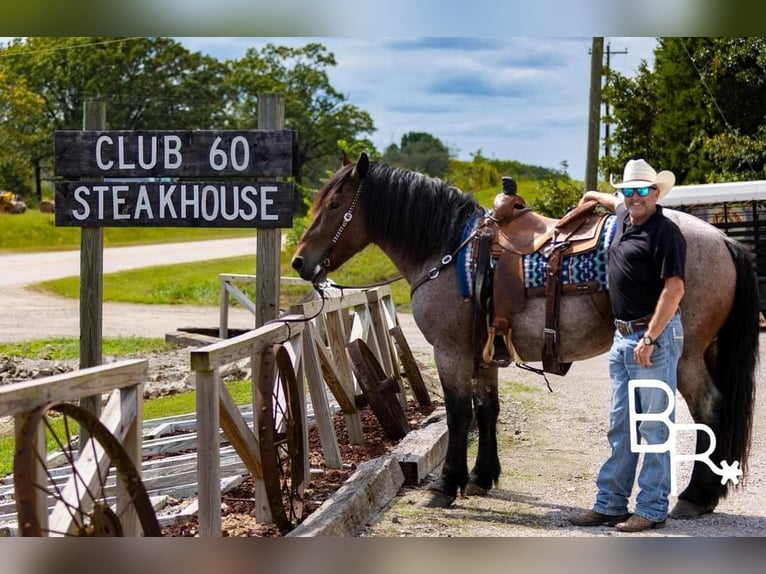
point(638, 173)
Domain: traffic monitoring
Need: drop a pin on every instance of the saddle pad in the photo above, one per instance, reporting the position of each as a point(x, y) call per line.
point(582, 268)
point(466, 266)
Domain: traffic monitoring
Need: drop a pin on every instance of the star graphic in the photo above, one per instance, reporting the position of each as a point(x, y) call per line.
point(730, 472)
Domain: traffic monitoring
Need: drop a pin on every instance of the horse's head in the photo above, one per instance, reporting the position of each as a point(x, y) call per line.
point(337, 230)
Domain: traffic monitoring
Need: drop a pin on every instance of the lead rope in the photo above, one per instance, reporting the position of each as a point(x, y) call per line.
point(537, 372)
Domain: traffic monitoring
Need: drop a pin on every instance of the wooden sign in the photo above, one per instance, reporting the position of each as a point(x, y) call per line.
point(246, 153)
point(173, 204)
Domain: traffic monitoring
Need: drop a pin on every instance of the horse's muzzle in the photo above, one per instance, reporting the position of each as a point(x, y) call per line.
point(307, 273)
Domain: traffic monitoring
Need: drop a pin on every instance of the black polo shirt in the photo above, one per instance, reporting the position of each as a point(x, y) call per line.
point(641, 257)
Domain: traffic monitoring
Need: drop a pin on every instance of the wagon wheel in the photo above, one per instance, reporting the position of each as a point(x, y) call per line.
point(280, 437)
point(372, 378)
point(411, 370)
point(93, 514)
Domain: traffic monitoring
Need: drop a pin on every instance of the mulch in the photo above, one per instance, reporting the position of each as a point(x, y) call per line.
point(238, 504)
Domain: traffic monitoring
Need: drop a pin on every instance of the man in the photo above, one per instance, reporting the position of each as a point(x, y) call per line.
point(646, 283)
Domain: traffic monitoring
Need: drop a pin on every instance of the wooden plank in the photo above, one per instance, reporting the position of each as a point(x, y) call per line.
point(91, 277)
point(208, 462)
point(242, 346)
point(155, 153)
point(96, 204)
point(322, 414)
point(388, 359)
point(29, 395)
point(336, 338)
point(330, 304)
point(239, 434)
point(332, 379)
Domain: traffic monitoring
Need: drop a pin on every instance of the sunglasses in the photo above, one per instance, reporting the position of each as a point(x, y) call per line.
point(641, 191)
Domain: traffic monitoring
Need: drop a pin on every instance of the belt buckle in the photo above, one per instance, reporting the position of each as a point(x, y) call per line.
point(623, 327)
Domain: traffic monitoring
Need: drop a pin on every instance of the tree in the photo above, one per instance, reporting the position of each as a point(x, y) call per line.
point(699, 113)
point(557, 194)
point(18, 108)
point(146, 83)
point(419, 151)
point(320, 114)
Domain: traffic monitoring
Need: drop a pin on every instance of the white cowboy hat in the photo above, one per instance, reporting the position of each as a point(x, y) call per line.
point(638, 173)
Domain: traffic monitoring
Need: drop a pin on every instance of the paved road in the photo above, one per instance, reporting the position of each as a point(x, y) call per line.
point(26, 314)
point(27, 268)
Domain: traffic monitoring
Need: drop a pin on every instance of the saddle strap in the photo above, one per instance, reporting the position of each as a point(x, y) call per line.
point(551, 341)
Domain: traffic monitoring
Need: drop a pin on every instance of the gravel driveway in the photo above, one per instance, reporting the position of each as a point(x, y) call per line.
point(551, 447)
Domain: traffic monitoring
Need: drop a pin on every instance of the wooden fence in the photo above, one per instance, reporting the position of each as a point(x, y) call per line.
point(315, 334)
point(122, 416)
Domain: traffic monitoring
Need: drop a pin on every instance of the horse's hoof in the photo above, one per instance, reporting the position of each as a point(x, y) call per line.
point(685, 510)
point(473, 489)
point(436, 499)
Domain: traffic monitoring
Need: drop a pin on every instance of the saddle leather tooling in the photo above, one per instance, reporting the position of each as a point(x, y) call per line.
point(510, 232)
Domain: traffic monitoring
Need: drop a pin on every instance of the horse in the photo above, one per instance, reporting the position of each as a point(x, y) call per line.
point(421, 223)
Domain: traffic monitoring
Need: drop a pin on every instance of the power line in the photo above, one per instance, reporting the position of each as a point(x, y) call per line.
point(7, 54)
point(609, 53)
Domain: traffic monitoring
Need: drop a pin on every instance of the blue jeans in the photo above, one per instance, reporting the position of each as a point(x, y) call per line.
point(615, 479)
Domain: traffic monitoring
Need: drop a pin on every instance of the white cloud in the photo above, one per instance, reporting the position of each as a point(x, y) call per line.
point(524, 99)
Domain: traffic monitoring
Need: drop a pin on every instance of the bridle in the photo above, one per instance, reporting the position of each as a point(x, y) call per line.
point(347, 217)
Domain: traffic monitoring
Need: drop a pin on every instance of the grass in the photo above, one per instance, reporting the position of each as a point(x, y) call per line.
point(68, 348)
point(197, 283)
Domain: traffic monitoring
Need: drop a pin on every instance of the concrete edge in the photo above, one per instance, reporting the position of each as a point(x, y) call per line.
point(376, 482)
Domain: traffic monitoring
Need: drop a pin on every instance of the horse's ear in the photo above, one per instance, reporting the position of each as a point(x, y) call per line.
point(362, 166)
point(346, 161)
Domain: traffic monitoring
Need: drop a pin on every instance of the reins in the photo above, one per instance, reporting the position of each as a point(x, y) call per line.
point(434, 272)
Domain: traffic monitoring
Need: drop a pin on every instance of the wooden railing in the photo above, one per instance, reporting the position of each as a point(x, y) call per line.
point(122, 416)
point(228, 290)
point(316, 335)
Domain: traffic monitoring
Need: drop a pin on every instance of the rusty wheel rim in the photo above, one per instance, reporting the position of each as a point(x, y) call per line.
point(371, 378)
point(280, 437)
point(93, 515)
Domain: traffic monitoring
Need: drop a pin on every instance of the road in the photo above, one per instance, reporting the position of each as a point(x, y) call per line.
point(19, 269)
point(27, 314)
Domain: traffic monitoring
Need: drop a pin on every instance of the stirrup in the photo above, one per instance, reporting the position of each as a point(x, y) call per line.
point(499, 346)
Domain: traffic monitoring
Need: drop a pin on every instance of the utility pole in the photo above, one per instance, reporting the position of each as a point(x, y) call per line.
point(609, 53)
point(594, 115)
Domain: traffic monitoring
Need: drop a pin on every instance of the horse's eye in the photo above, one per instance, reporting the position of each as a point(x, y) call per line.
point(334, 205)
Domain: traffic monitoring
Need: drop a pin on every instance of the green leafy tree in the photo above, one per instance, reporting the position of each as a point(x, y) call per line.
point(557, 194)
point(700, 112)
point(319, 113)
point(18, 132)
point(419, 151)
point(146, 83)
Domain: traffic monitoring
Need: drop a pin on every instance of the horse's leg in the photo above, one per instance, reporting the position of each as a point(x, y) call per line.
point(455, 376)
point(704, 490)
point(486, 471)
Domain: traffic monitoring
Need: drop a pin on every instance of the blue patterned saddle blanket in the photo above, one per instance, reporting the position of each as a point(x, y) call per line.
point(587, 267)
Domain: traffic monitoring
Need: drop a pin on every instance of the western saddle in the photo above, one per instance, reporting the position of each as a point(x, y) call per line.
point(509, 232)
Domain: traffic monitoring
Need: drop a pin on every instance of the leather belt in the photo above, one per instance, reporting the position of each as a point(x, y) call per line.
point(629, 327)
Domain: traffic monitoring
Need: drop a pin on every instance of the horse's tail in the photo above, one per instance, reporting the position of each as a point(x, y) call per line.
point(736, 360)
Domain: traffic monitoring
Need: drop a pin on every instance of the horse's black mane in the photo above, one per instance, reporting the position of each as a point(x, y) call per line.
point(422, 214)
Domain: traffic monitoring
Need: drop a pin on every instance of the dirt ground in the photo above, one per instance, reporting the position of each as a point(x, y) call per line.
point(551, 447)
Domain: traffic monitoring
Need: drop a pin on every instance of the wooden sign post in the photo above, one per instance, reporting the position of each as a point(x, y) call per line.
point(196, 178)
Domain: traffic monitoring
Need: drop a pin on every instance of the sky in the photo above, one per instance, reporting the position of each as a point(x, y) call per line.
point(512, 98)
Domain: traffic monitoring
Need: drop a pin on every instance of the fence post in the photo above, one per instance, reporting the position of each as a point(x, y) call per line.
point(271, 116)
point(91, 277)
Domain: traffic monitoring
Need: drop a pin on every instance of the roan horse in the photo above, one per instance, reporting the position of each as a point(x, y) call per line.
point(417, 220)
